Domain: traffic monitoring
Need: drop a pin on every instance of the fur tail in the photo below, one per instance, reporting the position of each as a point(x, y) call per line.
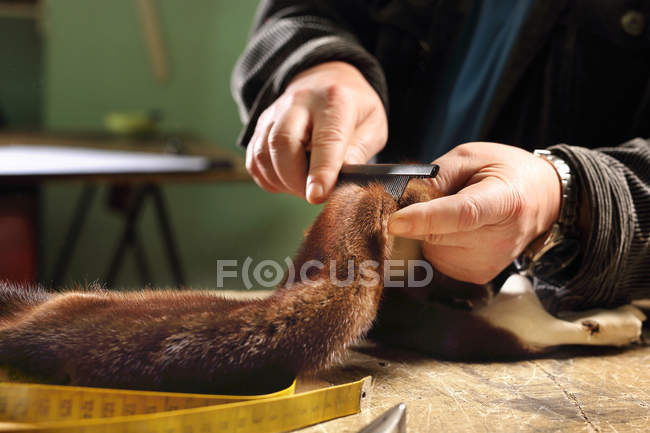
point(200, 342)
point(333, 297)
point(15, 300)
point(328, 301)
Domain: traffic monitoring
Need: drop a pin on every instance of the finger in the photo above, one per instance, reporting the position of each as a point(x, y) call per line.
point(249, 147)
point(368, 139)
point(251, 166)
point(462, 265)
point(255, 174)
point(264, 184)
point(457, 166)
point(484, 203)
point(333, 128)
point(286, 142)
point(478, 241)
point(458, 239)
point(262, 164)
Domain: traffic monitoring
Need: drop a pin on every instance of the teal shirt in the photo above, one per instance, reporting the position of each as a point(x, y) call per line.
point(461, 101)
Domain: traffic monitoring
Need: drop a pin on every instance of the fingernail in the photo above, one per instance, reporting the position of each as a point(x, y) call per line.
point(314, 191)
point(399, 226)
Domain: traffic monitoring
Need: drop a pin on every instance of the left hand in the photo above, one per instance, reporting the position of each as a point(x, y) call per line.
point(498, 199)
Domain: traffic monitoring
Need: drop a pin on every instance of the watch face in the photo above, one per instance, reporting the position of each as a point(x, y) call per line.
point(556, 259)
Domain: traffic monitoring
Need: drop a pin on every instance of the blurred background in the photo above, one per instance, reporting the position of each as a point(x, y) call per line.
point(66, 64)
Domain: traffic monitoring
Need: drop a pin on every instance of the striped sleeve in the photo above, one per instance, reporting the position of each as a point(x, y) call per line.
point(290, 36)
point(614, 266)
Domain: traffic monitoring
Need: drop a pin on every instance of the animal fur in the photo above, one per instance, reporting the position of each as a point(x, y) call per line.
point(198, 341)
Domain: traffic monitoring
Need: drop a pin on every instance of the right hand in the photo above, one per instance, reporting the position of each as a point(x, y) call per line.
point(332, 111)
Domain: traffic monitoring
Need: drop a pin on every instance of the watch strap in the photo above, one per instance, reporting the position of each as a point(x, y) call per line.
point(561, 239)
point(569, 203)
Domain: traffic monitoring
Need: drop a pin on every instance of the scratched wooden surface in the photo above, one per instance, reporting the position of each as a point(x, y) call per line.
point(574, 390)
point(577, 389)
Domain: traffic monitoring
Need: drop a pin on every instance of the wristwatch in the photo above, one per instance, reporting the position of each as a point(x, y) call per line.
point(554, 250)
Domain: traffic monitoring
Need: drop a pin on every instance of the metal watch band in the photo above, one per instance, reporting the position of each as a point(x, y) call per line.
point(569, 204)
point(562, 237)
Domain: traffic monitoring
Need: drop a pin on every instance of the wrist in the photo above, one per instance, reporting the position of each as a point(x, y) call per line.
point(327, 68)
point(551, 200)
point(565, 210)
point(558, 246)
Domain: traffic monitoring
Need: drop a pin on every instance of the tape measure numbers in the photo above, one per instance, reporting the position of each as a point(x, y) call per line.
point(47, 408)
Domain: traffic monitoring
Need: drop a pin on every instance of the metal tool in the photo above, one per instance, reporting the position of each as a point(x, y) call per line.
point(393, 177)
point(391, 421)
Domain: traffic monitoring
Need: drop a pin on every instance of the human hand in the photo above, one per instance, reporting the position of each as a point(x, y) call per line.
point(329, 109)
point(498, 199)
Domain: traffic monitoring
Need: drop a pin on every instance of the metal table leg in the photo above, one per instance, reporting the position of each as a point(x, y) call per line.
point(128, 234)
point(130, 239)
point(84, 203)
point(168, 235)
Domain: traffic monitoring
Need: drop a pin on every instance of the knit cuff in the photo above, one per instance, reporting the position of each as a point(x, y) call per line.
point(593, 280)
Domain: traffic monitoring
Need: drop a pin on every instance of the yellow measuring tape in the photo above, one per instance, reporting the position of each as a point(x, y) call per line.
point(48, 408)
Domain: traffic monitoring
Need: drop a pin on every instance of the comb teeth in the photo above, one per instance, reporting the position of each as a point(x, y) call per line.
point(395, 185)
point(393, 177)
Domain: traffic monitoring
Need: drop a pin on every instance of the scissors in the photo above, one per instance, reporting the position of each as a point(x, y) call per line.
point(391, 421)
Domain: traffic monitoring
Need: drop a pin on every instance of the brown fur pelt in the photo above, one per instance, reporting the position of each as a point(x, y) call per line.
point(199, 341)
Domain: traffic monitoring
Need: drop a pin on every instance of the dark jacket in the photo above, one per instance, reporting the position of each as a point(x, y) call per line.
point(579, 73)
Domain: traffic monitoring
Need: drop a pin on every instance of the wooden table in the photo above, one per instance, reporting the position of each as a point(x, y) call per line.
point(575, 389)
point(183, 150)
point(134, 167)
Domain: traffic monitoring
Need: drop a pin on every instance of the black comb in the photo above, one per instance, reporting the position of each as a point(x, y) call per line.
point(393, 177)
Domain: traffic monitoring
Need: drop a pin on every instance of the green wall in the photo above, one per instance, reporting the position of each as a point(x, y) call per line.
point(21, 83)
point(96, 61)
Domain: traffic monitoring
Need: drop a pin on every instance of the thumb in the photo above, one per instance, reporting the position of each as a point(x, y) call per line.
point(487, 202)
point(368, 139)
point(458, 165)
point(331, 133)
